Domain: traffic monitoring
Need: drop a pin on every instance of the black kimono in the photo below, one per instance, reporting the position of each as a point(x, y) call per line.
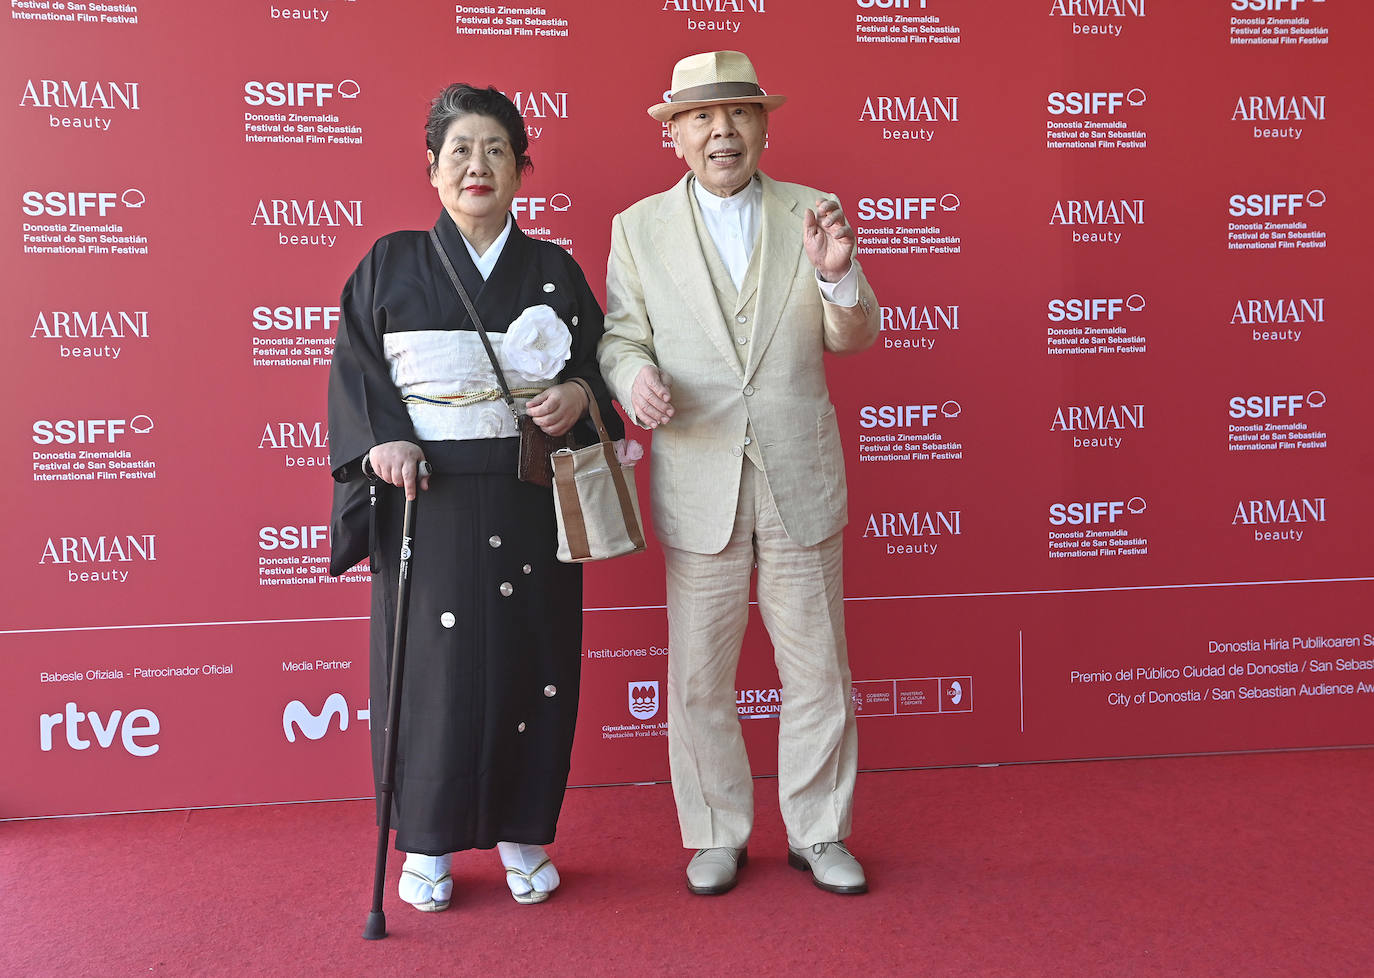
point(493, 656)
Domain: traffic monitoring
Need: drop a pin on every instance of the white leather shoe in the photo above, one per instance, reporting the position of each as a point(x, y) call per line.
point(714, 871)
point(833, 868)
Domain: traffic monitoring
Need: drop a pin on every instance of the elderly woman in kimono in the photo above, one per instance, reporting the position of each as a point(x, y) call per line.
point(495, 623)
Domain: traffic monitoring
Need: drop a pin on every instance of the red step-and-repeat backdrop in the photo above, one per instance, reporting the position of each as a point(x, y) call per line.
point(1109, 461)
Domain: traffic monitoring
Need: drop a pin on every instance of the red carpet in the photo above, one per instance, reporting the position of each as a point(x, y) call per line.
point(1245, 865)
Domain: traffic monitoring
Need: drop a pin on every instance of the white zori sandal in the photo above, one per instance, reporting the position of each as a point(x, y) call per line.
point(530, 873)
point(425, 882)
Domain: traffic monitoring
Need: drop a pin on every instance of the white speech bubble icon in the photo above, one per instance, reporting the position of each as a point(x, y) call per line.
point(132, 198)
point(951, 409)
point(348, 88)
point(1316, 399)
point(141, 425)
point(1135, 302)
point(1135, 505)
point(560, 202)
point(949, 202)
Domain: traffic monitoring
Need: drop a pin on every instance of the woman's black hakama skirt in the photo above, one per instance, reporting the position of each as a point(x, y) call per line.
point(493, 655)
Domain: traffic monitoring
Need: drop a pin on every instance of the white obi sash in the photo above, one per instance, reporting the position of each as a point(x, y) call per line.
point(449, 388)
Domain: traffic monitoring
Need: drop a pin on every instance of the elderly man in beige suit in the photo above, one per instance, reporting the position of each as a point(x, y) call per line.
point(723, 295)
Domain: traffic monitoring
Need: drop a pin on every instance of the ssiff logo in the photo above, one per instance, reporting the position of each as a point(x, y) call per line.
point(643, 699)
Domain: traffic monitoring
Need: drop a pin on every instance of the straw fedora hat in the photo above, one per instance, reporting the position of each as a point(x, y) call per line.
point(713, 78)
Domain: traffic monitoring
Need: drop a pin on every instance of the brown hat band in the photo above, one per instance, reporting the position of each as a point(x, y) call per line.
point(717, 90)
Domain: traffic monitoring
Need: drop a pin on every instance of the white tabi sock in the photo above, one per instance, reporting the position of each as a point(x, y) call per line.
point(414, 889)
point(524, 859)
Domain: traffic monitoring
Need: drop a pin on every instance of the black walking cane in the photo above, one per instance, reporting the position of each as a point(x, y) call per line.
point(375, 929)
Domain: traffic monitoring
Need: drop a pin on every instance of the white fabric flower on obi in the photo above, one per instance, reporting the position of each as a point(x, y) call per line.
point(538, 343)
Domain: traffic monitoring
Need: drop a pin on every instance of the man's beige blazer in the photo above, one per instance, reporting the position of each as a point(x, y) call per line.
point(662, 309)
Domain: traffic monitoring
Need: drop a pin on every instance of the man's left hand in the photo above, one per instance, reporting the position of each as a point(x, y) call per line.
point(828, 238)
point(557, 409)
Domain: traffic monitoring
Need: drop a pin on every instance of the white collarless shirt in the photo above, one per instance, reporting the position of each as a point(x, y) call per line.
point(733, 224)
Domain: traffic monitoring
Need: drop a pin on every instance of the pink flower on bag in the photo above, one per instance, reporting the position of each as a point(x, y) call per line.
point(628, 452)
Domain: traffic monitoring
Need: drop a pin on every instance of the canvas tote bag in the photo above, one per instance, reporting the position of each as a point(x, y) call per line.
point(594, 499)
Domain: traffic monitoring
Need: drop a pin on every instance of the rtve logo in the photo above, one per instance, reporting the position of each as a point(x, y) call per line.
point(88, 431)
point(904, 208)
point(1092, 310)
point(906, 415)
point(1092, 512)
point(79, 203)
point(278, 94)
point(534, 206)
point(293, 537)
point(297, 718)
point(1274, 205)
point(1092, 103)
point(1274, 405)
point(137, 725)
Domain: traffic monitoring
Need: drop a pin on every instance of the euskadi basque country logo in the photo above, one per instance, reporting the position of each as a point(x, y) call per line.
point(910, 117)
point(917, 327)
point(87, 222)
point(82, 729)
point(904, 22)
point(86, 12)
point(1279, 320)
point(1267, 25)
point(83, 333)
point(1279, 116)
point(1100, 222)
point(1098, 528)
point(1094, 325)
point(92, 450)
point(1276, 422)
point(907, 225)
point(1094, 120)
point(297, 718)
point(108, 558)
point(1098, 425)
point(80, 104)
point(301, 112)
point(643, 698)
point(909, 432)
point(1285, 225)
point(1098, 18)
point(293, 336)
point(1273, 520)
point(308, 222)
point(302, 444)
point(914, 533)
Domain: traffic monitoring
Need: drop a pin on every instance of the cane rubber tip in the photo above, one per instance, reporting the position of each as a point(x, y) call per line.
point(376, 926)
